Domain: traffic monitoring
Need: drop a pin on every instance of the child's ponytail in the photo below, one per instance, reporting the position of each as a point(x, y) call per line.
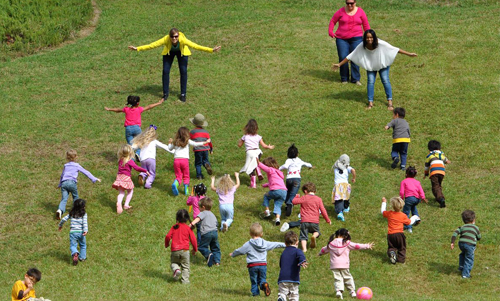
point(344, 234)
point(133, 100)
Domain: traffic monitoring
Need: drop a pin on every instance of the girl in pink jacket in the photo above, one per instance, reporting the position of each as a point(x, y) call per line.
point(277, 188)
point(339, 246)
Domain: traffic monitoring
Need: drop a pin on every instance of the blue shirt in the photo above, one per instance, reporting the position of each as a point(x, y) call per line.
point(290, 261)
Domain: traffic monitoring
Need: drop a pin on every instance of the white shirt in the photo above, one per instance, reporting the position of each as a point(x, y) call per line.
point(342, 177)
point(149, 151)
point(183, 152)
point(376, 59)
point(294, 166)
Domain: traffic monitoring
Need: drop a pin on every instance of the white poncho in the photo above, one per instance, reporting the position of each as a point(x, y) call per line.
point(374, 60)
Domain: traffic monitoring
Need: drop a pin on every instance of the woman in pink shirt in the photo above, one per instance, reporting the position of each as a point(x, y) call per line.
point(411, 191)
point(277, 188)
point(352, 23)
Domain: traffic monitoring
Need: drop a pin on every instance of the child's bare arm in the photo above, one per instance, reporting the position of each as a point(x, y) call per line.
point(264, 145)
point(386, 127)
point(240, 143)
point(194, 222)
point(237, 177)
point(212, 185)
point(353, 171)
point(149, 107)
point(117, 110)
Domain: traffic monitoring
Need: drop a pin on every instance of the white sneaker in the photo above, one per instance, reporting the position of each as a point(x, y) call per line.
point(409, 230)
point(58, 214)
point(267, 213)
point(285, 227)
point(339, 295)
point(277, 222)
point(353, 294)
point(176, 275)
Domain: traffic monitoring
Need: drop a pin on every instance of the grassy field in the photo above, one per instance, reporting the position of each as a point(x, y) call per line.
point(274, 66)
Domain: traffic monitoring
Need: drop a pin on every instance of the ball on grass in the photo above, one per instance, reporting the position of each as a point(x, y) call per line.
point(364, 293)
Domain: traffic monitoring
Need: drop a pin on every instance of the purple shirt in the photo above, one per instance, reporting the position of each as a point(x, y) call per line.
point(251, 141)
point(71, 170)
point(227, 198)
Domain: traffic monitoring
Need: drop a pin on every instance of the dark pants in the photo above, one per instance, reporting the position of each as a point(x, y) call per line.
point(397, 242)
point(340, 205)
point(400, 150)
point(210, 239)
point(344, 47)
point(167, 64)
point(437, 190)
point(200, 159)
point(292, 186)
point(258, 275)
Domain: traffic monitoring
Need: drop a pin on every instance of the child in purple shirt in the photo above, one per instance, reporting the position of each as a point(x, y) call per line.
point(225, 190)
point(68, 180)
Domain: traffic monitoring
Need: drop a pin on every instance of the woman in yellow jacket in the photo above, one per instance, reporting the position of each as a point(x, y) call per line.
point(175, 45)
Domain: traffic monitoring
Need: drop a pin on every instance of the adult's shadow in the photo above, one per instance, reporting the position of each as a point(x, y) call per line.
point(382, 162)
point(153, 90)
point(156, 274)
point(51, 206)
point(60, 255)
point(323, 74)
point(443, 268)
point(231, 292)
point(105, 201)
point(345, 94)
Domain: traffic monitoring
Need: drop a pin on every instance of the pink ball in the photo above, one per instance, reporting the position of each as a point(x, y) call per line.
point(364, 293)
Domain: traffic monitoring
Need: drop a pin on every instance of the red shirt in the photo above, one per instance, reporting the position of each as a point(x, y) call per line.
point(133, 115)
point(310, 206)
point(180, 237)
point(395, 221)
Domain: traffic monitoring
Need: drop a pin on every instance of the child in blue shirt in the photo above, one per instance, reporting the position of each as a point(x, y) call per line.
point(291, 260)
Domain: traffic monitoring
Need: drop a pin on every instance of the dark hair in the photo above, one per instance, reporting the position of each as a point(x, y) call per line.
point(200, 189)
point(411, 172)
point(207, 203)
point(293, 152)
point(133, 100)
point(172, 31)
point(78, 209)
point(375, 40)
point(400, 111)
point(468, 216)
point(291, 238)
point(342, 232)
point(271, 162)
point(309, 186)
point(35, 273)
point(434, 145)
point(182, 216)
point(251, 128)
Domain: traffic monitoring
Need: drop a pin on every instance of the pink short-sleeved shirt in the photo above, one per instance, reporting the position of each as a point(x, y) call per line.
point(133, 116)
point(251, 141)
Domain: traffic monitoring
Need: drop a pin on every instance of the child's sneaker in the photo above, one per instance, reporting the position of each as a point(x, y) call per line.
point(415, 220)
point(281, 297)
point(209, 168)
point(340, 217)
point(339, 295)
point(176, 275)
point(313, 242)
point(285, 227)
point(224, 227)
point(353, 294)
point(140, 180)
point(347, 209)
point(75, 259)
point(403, 168)
point(175, 188)
point(186, 189)
point(395, 162)
point(442, 203)
point(410, 230)
point(289, 208)
point(58, 214)
point(277, 222)
point(267, 213)
point(392, 257)
point(210, 260)
point(265, 287)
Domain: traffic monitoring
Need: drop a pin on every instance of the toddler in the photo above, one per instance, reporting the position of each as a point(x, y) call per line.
point(434, 168)
point(198, 134)
point(24, 289)
point(208, 230)
point(252, 141)
point(256, 250)
point(400, 137)
point(277, 188)
point(78, 230)
point(291, 260)
point(200, 192)
point(181, 235)
point(412, 192)
point(341, 193)
point(469, 235)
point(339, 247)
point(293, 165)
point(225, 190)
point(68, 180)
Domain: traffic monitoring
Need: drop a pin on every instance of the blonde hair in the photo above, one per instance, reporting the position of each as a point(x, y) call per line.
point(256, 230)
point(181, 137)
point(225, 184)
point(144, 138)
point(71, 155)
point(125, 153)
point(397, 203)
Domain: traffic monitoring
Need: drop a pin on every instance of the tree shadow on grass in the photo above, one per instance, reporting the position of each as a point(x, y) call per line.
point(442, 268)
point(232, 292)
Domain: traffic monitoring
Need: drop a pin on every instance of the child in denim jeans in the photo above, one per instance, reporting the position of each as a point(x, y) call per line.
point(277, 188)
point(400, 138)
point(469, 235)
point(256, 251)
point(78, 230)
point(412, 193)
point(208, 230)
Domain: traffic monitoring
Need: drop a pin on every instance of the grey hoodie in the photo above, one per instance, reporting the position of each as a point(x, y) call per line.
point(256, 250)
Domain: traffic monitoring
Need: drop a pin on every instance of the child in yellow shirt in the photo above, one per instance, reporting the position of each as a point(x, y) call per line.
point(24, 289)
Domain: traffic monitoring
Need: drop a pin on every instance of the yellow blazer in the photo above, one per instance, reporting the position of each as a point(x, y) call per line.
point(184, 45)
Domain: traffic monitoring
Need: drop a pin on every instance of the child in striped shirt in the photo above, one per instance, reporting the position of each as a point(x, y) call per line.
point(78, 230)
point(469, 235)
point(434, 168)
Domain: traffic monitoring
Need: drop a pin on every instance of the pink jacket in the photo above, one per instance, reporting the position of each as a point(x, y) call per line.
point(349, 26)
point(411, 187)
point(274, 176)
point(339, 252)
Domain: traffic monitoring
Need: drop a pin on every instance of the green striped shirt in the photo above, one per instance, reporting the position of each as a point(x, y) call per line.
point(469, 233)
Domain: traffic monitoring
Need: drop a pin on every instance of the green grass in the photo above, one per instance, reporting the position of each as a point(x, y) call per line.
point(274, 66)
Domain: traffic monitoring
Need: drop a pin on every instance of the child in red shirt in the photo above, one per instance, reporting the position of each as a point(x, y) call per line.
point(180, 234)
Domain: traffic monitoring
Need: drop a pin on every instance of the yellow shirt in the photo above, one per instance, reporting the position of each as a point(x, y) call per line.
point(167, 43)
point(19, 286)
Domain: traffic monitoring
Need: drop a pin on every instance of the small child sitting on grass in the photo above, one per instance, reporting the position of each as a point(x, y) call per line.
point(24, 289)
point(256, 251)
point(469, 235)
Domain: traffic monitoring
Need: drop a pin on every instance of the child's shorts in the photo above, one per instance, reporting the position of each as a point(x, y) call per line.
point(305, 228)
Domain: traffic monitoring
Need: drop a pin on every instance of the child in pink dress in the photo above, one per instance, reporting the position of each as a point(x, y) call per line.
point(412, 193)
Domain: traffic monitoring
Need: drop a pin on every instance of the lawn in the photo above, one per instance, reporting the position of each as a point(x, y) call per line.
point(274, 66)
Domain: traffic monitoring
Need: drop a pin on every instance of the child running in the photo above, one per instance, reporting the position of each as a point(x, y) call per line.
point(181, 235)
point(225, 190)
point(435, 169)
point(256, 251)
point(469, 235)
point(291, 260)
point(339, 246)
point(123, 181)
point(293, 164)
point(68, 180)
point(133, 116)
point(252, 141)
point(199, 133)
point(341, 193)
point(200, 191)
point(78, 230)
point(208, 230)
point(400, 138)
point(180, 146)
point(277, 188)
point(412, 192)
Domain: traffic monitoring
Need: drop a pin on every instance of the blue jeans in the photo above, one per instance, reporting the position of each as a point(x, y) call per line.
point(400, 150)
point(67, 187)
point(210, 239)
point(466, 258)
point(130, 132)
point(75, 239)
point(410, 206)
point(182, 60)
point(344, 47)
point(278, 196)
point(200, 159)
point(226, 214)
point(293, 186)
point(384, 76)
point(258, 275)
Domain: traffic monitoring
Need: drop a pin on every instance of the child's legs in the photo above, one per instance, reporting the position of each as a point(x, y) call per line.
point(338, 280)
point(403, 152)
point(461, 259)
point(384, 77)
point(293, 186)
point(339, 206)
point(150, 166)
point(370, 84)
point(205, 241)
point(130, 132)
point(73, 243)
point(279, 197)
point(121, 195)
point(253, 272)
point(175, 260)
point(198, 162)
point(178, 170)
point(82, 241)
point(64, 198)
point(198, 233)
point(395, 150)
point(184, 164)
point(179, 260)
point(303, 237)
point(468, 251)
point(214, 246)
point(130, 193)
point(348, 280)
point(437, 190)
point(290, 290)
point(397, 242)
point(410, 206)
point(262, 276)
point(226, 213)
point(204, 158)
point(294, 224)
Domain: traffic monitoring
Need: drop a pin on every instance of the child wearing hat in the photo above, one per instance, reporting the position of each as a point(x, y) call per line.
point(342, 189)
point(200, 134)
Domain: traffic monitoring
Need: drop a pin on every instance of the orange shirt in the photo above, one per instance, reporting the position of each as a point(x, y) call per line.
point(395, 221)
